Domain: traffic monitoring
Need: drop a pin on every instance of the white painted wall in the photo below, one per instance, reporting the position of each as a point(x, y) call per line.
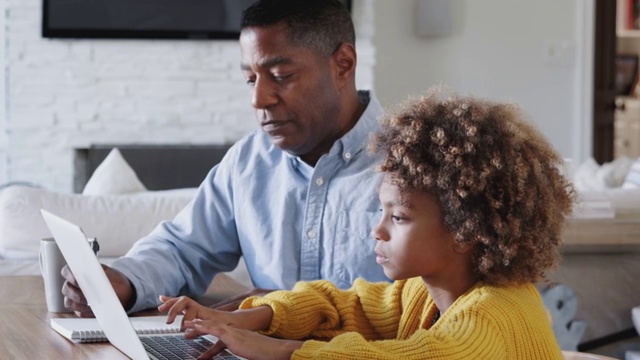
point(3, 137)
point(498, 49)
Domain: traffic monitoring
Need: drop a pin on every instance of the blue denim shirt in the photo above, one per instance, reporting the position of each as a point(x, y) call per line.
point(289, 220)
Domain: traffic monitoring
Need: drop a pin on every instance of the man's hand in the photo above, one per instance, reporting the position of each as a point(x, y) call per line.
point(74, 298)
point(233, 303)
point(244, 343)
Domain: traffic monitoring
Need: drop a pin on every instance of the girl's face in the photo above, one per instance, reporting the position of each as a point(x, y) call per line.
point(412, 238)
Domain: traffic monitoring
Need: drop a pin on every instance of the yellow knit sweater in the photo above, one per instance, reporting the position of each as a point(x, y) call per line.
point(393, 321)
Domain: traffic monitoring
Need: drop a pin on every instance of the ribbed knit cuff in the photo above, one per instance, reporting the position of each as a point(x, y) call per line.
point(255, 301)
point(308, 349)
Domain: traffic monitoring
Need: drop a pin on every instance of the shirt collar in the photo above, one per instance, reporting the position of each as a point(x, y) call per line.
point(354, 141)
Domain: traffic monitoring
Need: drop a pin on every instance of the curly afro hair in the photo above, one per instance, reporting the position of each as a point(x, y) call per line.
point(495, 176)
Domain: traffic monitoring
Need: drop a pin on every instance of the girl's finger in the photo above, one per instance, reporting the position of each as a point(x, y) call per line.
point(214, 350)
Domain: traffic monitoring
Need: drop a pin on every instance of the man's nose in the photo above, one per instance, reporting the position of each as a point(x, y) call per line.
point(264, 95)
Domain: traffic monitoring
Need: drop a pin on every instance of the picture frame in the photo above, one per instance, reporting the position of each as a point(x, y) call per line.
point(626, 74)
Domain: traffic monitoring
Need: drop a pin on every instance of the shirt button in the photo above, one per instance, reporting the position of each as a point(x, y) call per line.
point(319, 181)
point(347, 155)
point(311, 234)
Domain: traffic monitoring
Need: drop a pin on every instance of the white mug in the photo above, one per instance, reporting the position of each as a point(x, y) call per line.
point(51, 264)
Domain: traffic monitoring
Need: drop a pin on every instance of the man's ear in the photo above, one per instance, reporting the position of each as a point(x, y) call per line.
point(344, 61)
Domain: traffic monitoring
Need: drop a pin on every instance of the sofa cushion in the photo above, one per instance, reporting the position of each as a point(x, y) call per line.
point(632, 180)
point(117, 221)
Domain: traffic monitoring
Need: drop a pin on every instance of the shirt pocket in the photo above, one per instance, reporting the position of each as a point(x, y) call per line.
point(353, 248)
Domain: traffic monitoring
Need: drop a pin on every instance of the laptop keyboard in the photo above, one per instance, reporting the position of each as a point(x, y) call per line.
point(177, 347)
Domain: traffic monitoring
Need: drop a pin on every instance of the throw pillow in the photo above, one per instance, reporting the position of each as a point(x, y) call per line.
point(632, 180)
point(113, 176)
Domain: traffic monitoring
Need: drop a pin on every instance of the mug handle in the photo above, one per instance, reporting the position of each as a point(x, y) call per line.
point(41, 259)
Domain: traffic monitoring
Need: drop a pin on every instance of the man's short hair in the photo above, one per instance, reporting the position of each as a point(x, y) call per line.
point(321, 25)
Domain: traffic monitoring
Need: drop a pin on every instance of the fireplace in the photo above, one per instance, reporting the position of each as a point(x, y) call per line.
point(159, 167)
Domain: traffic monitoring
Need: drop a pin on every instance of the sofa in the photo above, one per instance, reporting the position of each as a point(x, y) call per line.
point(114, 207)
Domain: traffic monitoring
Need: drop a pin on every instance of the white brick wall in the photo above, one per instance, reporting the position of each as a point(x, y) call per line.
point(66, 94)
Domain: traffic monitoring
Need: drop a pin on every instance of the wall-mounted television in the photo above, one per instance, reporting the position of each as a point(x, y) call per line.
point(144, 19)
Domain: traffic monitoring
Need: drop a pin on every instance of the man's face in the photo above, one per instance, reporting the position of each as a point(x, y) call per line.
point(293, 91)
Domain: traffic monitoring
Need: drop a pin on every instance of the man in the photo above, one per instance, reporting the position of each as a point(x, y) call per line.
point(294, 198)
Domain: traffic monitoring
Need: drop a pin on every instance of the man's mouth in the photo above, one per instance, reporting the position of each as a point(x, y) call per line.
point(274, 125)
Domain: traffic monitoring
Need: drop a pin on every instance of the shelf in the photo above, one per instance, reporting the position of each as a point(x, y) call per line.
point(602, 235)
point(628, 33)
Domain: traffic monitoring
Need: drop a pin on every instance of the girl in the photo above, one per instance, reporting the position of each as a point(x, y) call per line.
point(473, 205)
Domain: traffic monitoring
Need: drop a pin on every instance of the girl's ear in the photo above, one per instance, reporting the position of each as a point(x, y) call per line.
point(462, 248)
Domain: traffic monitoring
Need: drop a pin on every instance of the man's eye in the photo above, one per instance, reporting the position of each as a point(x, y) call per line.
point(251, 82)
point(280, 78)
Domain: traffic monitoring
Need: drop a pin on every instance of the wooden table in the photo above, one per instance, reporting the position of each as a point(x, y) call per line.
point(24, 322)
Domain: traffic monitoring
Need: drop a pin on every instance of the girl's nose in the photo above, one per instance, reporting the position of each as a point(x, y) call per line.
point(379, 233)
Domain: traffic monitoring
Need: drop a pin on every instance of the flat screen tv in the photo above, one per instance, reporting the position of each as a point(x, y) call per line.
point(144, 19)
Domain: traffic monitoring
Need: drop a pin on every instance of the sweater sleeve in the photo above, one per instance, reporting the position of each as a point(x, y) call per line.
point(485, 323)
point(320, 310)
point(393, 321)
point(423, 345)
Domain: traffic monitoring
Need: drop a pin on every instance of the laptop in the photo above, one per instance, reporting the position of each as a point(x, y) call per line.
point(106, 307)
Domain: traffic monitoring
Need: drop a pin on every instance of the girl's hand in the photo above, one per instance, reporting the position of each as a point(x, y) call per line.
point(190, 309)
point(258, 318)
point(244, 343)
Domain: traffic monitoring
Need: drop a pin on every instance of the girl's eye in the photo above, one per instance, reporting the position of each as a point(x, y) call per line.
point(397, 218)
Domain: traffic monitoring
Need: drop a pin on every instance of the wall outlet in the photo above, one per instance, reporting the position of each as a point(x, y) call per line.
point(561, 54)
